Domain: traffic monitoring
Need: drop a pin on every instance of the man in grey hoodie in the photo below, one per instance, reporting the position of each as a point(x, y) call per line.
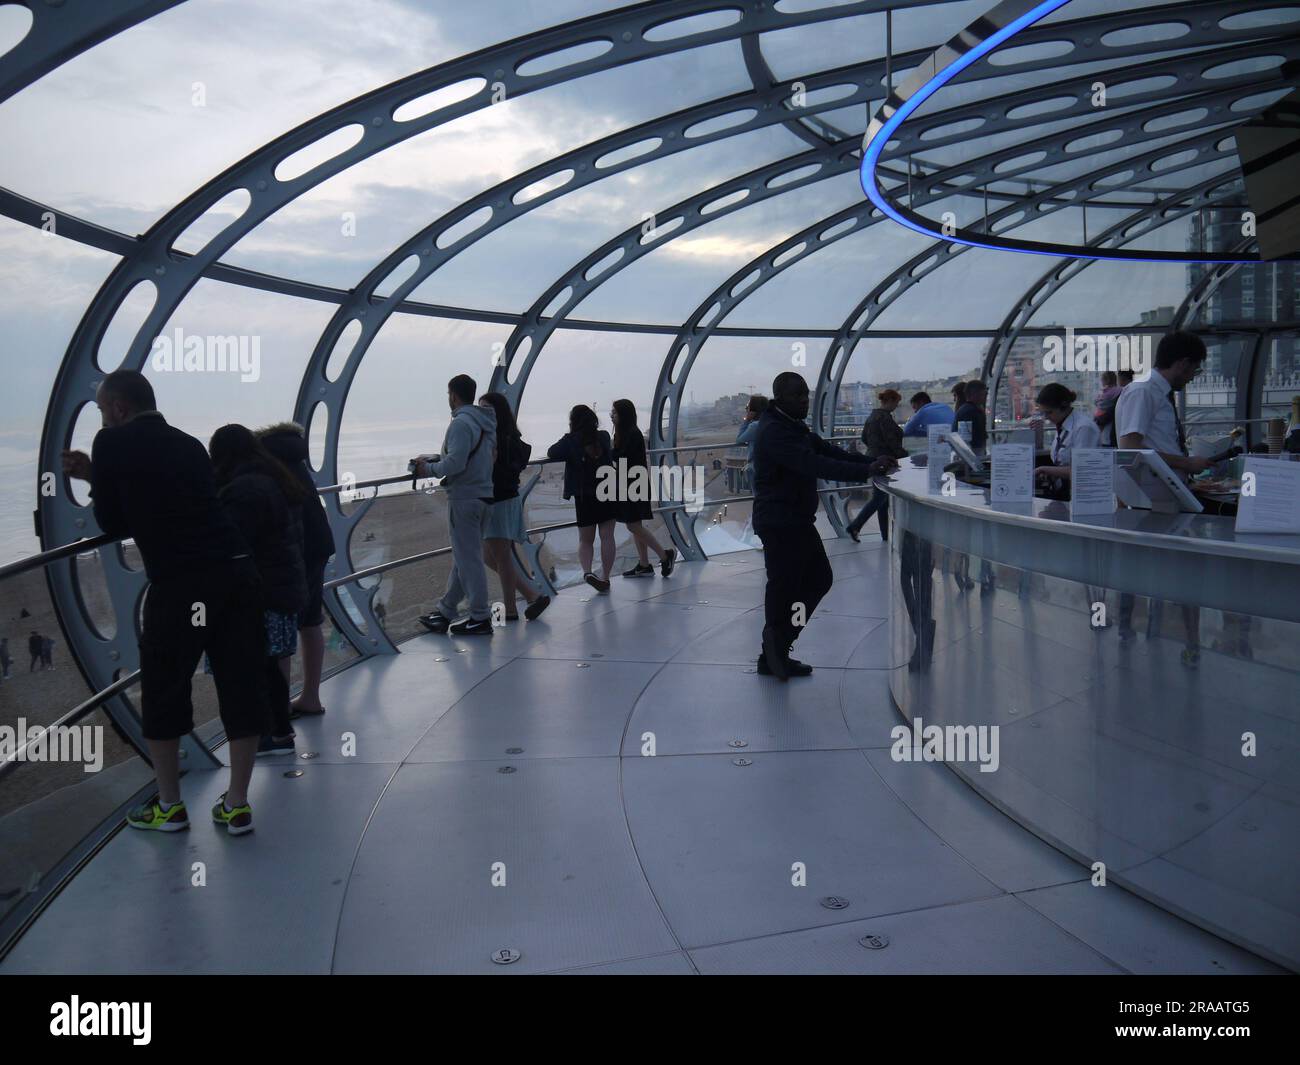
point(468, 453)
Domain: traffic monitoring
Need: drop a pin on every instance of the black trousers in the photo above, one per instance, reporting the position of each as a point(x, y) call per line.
point(798, 572)
point(233, 635)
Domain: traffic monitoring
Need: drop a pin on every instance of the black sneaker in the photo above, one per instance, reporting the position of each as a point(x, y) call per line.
point(640, 570)
point(470, 627)
point(534, 609)
point(793, 667)
point(271, 745)
point(774, 657)
point(435, 622)
point(669, 559)
point(602, 586)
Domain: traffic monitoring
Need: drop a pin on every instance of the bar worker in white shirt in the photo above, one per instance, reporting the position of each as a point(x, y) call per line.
point(1146, 414)
point(1074, 429)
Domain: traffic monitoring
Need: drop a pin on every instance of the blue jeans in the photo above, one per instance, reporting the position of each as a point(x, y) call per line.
point(877, 504)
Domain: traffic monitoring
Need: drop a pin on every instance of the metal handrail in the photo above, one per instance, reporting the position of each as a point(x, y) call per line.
point(72, 717)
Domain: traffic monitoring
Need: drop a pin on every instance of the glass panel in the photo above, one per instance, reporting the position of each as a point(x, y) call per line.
point(1282, 373)
point(546, 243)
point(384, 427)
point(219, 80)
point(667, 285)
point(821, 289)
point(230, 352)
point(47, 282)
point(1122, 742)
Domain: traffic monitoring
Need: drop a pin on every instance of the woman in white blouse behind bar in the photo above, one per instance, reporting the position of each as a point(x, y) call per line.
point(1074, 429)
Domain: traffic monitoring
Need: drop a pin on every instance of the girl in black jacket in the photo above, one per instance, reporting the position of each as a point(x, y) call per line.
point(585, 448)
point(629, 446)
point(505, 521)
point(265, 501)
point(288, 444)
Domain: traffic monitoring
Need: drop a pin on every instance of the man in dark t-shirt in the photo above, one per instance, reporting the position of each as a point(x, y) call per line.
point(973, 411)
point(153, 483)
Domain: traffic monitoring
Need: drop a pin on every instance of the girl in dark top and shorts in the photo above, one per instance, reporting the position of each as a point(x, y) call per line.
point(585, 448)
point(505, 521)
point(266, 500)
point(629, 445)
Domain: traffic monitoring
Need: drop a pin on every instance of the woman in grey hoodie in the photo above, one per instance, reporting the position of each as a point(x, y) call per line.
point(468, 453)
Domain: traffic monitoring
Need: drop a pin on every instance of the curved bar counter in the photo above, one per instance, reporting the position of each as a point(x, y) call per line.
point(1114, 743)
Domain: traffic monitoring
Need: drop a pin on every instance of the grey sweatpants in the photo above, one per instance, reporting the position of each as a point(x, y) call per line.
point(466, 518)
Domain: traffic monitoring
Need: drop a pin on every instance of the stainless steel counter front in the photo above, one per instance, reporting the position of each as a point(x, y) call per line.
point(1128, 688)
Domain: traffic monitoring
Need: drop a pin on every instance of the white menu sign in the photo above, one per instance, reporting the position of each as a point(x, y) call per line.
point(1092, 480)
point(1013, 473)
point(937, 454)
point(1270, 496)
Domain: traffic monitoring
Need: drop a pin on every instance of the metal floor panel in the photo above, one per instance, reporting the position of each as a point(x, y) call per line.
point(1139, 936)
point(652, 633)
point(991, 936)
point(550, 709)
point(1012, 857)
point(421, 898)
point(615, 864)
point(675, 964)
point(718, 843)
point(387, 705)
point(272, 898)
point(699, 709)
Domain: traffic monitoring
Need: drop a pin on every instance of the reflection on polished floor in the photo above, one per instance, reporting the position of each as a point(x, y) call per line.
point(501, 798)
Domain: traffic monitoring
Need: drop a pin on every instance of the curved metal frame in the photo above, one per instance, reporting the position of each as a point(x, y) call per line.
point(1002, 24)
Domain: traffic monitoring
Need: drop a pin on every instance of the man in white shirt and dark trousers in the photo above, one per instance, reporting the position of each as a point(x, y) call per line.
point(1146, 416)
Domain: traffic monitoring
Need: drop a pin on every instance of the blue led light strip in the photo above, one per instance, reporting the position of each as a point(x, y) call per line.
point(884, 130)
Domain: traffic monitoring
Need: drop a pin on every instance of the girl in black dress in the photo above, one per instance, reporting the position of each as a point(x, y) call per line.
point(629, 445)
point(585, 448)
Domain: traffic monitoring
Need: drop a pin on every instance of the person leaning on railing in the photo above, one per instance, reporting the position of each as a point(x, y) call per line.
point(788, 460)
point(883, 438)
point(287, 443)
point(153, 483)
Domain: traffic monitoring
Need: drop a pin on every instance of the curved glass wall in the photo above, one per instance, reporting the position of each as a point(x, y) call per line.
point(120, 244)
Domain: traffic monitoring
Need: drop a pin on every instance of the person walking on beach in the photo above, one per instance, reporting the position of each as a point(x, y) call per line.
point(47, 653)
point(35, 645)
point(629, 454)
point(585, 448)
point(466, 468)
point(505, 521)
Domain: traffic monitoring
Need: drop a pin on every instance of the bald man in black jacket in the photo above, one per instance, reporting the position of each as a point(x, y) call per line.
point(788, 460)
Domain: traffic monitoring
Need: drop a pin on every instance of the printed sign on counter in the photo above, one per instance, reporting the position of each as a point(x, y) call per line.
point(1270, 496)
point(1092, 480)
point(1013, 473)
point(938, 454)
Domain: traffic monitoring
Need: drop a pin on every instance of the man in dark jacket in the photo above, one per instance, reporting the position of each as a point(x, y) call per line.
point(153, 483)
point(788, 460)
point(972, 410)
point(287, 443)
point(883, 438)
